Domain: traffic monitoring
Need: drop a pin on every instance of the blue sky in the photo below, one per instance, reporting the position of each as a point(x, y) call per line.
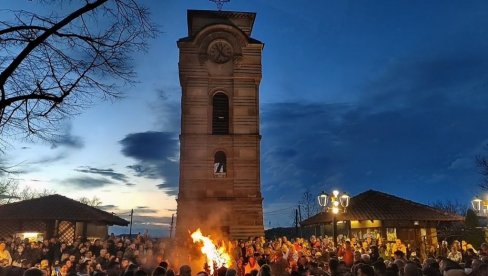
point(388, 95)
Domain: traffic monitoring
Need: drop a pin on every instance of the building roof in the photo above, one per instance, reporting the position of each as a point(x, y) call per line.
point(198, 19)
point(374, 205)
point(57, 207)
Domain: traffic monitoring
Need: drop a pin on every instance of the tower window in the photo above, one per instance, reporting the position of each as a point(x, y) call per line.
point(220, 114)
point(220, 163)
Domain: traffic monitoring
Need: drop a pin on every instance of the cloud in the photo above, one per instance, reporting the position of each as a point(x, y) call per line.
point(150, 146)
point(67, 139)
point(156, 154)
point(87, 182)
point(43, 160)
point(167, 107)
point(417, 125)
point(462, 163)
point(145, 210)
point(155, 220)
point(62, 146)
point(435, 81)
point(109, 208)
point(168, 189)
point(156, 226)
point(104, 172)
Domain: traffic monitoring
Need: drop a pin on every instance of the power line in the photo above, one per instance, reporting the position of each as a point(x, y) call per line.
point(278, 210)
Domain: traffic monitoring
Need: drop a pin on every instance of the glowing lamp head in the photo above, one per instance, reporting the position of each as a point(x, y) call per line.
point(336, 203)
point(335, 210)
point(335, 193)
point(476, 202)
point(344, 199)
point(323, 199)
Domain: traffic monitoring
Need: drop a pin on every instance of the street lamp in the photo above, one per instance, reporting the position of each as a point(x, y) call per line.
point(479, 206)
point(335, 203)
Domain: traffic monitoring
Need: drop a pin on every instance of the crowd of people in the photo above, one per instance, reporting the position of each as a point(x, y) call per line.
point(141, 256)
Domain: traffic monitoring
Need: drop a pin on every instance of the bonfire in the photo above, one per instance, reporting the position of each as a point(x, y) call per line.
point(216, 256)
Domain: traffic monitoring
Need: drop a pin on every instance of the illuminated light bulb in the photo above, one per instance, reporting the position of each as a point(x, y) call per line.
point(336, 203)
point(335, 210)
point(335, 193)
point(477, 204)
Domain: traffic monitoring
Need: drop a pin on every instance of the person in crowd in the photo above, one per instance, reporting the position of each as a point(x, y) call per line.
point(455, 255)
point(19, 256)
point(279, 265)
point(379, 268)
point(240, 266)
point(5, 257)
point(347, 253)
point(365, 270)
point(185, 270)
point(443, 249)
point(399, 246)
point(33, 271)
point(318, 256)
point(412, 269)
point(251, 265)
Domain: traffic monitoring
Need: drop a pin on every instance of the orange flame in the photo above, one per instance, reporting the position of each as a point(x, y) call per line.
point(215, 256)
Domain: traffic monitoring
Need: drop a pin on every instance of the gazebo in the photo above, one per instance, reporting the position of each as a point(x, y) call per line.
point(381, 215)
point(55, 216)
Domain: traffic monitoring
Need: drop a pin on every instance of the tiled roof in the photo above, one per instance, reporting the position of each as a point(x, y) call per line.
point(374, 205)
point(242, 20)
point(57, 207)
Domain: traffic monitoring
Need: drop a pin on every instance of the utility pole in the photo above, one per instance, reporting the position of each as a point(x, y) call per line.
point(296, 222)
point(300, 212)
point(300, 219)
point(171, 226)
point(130, 227)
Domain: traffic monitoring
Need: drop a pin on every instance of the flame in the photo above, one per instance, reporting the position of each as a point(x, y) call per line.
point(217, 257)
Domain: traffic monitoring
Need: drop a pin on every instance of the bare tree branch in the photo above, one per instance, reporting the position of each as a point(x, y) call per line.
point(94, 201)
point(453, 207)
point(482, 163)
point(10, 191)
point(53, 67)
point(309, 203)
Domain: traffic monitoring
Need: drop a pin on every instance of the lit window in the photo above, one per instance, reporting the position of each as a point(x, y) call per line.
point(220, 163)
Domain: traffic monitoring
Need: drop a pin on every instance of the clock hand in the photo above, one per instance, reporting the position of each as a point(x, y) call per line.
point(221, 51)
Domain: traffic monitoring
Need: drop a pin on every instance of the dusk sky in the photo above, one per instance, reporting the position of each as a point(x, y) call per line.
point(383, 95)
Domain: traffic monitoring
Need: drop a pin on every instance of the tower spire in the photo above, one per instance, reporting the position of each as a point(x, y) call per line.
point(220, 3)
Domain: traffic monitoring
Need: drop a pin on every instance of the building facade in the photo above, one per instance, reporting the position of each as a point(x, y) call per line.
point(378, 215)
point(220, 73)
point(55, 216)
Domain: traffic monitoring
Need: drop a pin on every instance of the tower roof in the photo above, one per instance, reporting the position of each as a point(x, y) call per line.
point(199, 19)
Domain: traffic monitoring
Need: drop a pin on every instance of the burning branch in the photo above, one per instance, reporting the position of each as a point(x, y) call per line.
point(216, 256)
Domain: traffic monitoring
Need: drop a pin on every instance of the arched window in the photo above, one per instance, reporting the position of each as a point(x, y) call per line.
point(220, 114)
point(220, 163)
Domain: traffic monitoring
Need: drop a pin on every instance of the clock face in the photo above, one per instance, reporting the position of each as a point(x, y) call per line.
point(220, 52)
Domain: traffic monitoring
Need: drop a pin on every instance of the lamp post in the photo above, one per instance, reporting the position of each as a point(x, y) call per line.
point(335, 203)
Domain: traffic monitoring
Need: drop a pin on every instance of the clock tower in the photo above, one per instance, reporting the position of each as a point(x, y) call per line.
point(220, 73)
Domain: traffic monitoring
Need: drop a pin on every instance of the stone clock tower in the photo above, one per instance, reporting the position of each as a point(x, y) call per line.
point(220, 72)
